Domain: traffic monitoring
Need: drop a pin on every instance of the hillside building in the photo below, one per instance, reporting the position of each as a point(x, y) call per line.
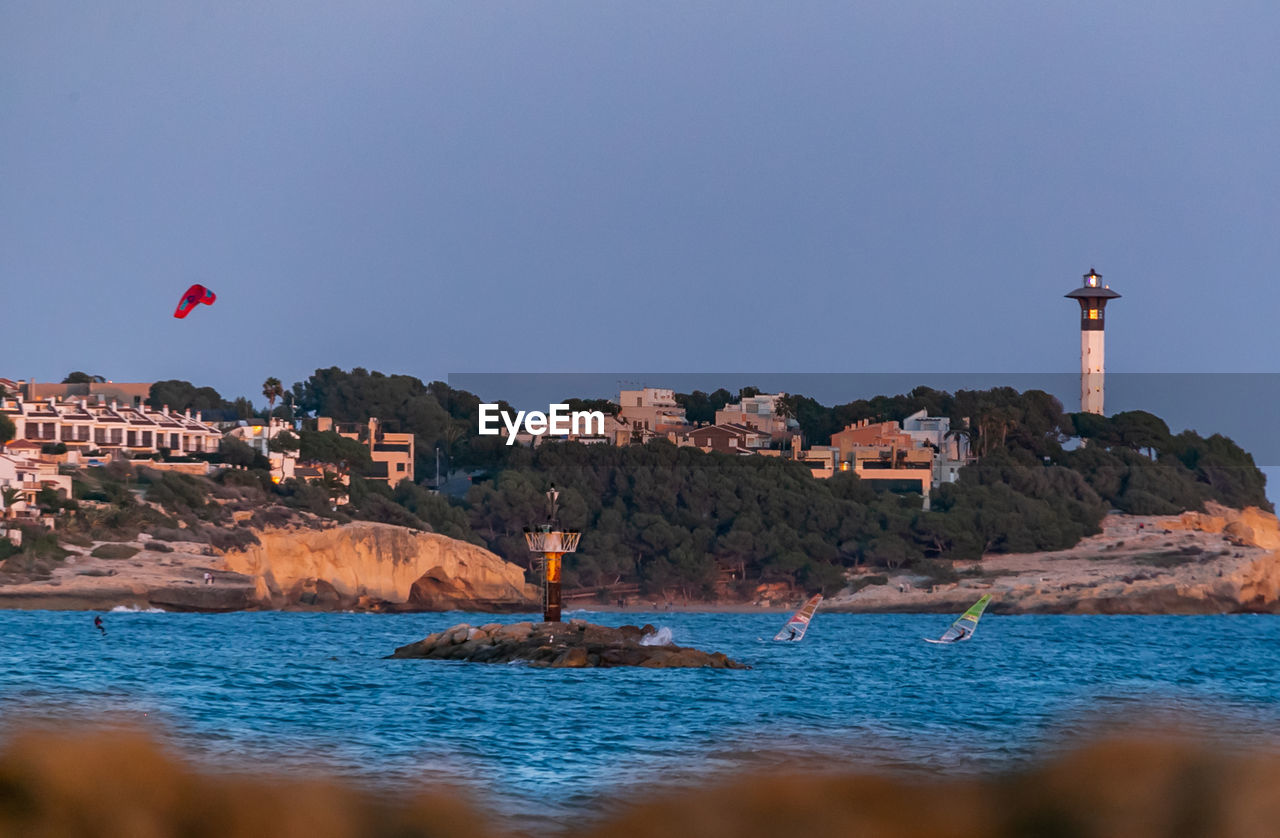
point(392, 453)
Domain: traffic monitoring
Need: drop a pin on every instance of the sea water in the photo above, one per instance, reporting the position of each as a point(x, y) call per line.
point(289, 692)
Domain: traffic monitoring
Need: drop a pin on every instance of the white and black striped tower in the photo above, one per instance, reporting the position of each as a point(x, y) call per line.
point(1093, 297)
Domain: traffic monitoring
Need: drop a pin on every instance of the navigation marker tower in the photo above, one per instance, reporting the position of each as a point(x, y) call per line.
point(551, 543)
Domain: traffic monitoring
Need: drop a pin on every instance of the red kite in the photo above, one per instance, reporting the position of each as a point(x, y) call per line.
point(195, 295)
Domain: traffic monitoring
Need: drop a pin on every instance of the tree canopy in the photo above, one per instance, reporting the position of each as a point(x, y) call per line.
point(183, 395)
point(78, 377)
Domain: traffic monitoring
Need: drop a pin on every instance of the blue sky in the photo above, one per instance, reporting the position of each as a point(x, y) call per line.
point(435, 188)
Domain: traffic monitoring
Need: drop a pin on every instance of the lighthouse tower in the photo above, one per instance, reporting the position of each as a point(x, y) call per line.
point(1093, 297)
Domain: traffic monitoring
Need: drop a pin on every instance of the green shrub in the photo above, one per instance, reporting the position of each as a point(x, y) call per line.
point(1167, 560)
point(385, 511)
point(177, 492)
point(114, 551)
point(250, 478)
point(271, 516)
point(39, 554)
point(860, 582)
point(937, 572)
point(232, 539)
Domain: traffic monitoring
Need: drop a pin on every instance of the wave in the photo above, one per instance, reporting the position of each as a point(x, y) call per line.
point(134, 609)
point(661, 637)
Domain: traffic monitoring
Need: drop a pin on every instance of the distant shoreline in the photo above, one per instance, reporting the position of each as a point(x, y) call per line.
point(1217, 561)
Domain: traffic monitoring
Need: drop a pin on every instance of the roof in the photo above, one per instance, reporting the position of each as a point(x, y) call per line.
point(1085, 292)
point(727, 429)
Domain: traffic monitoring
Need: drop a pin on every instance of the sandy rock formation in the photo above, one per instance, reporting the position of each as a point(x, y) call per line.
point(1248, 527)
point(364, 564)
point(571, 645)
point(1218, 561)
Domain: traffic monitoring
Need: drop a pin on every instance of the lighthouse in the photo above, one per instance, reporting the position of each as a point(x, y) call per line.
point(1093, 297)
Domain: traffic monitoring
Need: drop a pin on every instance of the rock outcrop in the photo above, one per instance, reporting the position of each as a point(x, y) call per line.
point(1248, 527)
point(372, 565)
point(1218, 561)
point(571, 645)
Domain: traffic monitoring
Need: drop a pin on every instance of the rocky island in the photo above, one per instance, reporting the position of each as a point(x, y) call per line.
point(576, 644)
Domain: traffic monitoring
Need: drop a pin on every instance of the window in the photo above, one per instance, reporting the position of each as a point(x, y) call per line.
point(399, 466)
point(1095, 314)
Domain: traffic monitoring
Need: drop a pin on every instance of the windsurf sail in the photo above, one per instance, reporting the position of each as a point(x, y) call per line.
point(795, 628)
point(964, 627)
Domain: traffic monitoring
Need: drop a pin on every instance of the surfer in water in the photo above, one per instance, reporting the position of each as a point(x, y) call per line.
point(97, 623)
point(964, 632)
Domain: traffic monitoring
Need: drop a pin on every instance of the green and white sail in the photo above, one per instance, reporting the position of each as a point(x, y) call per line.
point(964, 627)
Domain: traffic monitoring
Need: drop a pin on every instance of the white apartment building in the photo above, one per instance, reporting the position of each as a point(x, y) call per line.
point(108, 427)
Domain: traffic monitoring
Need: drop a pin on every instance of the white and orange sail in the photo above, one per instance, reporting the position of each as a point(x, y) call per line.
point(794, 629)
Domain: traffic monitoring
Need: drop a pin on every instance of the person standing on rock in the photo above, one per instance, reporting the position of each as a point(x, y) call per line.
point(97, 623)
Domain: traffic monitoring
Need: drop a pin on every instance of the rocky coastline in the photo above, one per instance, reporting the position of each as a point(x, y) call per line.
point(1220, 560)
point(576, 644)
point(360, 566)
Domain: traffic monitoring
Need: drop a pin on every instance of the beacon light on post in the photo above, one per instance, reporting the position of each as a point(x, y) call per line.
point(551, 542)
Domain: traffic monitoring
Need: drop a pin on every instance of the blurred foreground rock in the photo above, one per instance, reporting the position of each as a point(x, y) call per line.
point(121, 785)
point(574, 644)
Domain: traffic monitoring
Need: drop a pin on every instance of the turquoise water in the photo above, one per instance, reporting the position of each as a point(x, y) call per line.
point(311, 692)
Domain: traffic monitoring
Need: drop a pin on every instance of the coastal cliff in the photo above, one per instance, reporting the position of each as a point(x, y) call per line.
point(361, 565)
point(1218, 561)
point(367, 564)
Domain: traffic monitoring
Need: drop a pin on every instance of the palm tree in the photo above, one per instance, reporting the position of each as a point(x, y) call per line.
point(272, 389)
point(957, 434)
point(453, 433)
point(11, 496)
point(7, 431)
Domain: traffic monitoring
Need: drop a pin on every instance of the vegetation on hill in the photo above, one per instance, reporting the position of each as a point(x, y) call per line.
point(183, 395)
point(673, 518)
point(678, 517)
point(669, 517)
point(438, 415)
